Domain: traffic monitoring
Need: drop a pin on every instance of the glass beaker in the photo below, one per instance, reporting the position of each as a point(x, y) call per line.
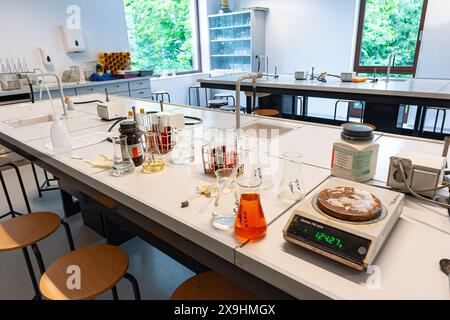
point(291, 185)
point(123, 164)
point(263, 164)
point(226, 202)
point(250, 222)
point(153, 161)
point(184, 149)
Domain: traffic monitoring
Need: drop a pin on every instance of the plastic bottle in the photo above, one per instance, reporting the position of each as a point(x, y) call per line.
point(60, 137)
point(355, 154)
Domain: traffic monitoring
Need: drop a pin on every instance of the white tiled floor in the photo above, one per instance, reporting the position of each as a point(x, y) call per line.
point(158, 275)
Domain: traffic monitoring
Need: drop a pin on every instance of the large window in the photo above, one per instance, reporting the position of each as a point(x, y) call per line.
point(163, 35)
point(389, 26)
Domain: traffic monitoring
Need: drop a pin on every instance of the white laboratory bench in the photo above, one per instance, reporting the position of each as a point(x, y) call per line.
point(151, 205)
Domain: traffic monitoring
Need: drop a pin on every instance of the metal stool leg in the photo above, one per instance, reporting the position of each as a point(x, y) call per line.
point(114, 293)
point(168, 97)
point(335, 109)
point(134, 284)
point(32, 275)
point(68, 235)
point(36, 180)
point(38, 255)
point(189, 93)
point(197, 92)
point(22, 188)
point(443, 121)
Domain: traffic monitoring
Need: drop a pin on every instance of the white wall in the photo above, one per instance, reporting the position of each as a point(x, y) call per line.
point(27, 25)
point(434, 58)
point(305, 33)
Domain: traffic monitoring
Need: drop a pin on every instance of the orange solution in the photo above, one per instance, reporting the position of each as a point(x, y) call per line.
point(250, 221)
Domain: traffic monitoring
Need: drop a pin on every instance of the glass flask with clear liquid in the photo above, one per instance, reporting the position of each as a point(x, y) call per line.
point(226, 201)
point(123, 164)
point(291, 186)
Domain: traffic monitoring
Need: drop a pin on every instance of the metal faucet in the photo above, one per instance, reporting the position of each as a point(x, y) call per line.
point(390, 64)
point(267, 66)
point(253, 76)
point(59, 88)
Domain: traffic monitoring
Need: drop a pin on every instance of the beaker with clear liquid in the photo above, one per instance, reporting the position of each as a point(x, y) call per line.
point(123, 164)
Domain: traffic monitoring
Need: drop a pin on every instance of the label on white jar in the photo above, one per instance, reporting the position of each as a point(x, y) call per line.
point(356, 164)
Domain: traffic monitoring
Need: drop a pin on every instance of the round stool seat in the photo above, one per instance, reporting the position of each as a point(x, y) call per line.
point(195, 86)
point(258, 94)
point(223, 95)
point(211, 286)
point(23, 231)
point(217, 103)
point(230, 108)
point(101, 267)
point(267, 112)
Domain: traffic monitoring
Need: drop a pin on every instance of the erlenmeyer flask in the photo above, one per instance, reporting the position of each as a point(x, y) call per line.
point(153, 161)
point(263, 164)
point(250, 222)
point(123, 164)
point(291, 185)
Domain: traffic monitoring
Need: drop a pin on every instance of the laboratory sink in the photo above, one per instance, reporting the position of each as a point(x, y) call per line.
point(30, 121)
point(265, 130)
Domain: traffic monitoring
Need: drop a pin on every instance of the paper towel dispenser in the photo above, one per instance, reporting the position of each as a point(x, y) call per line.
point(73, 39)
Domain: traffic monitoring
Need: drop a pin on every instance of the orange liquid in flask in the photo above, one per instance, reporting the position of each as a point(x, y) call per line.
point(250, 222)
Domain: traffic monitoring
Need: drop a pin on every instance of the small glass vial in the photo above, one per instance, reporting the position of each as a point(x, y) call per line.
point(355, 154)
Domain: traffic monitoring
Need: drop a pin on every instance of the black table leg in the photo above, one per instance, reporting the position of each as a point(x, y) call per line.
point(419, 121)
point(305, 107)
point(70, 206)
point(383, 116)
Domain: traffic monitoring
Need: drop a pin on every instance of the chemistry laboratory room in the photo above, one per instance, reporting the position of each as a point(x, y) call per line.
point(177, 151)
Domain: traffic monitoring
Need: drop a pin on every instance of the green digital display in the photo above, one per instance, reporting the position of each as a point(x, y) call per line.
point(324, 237)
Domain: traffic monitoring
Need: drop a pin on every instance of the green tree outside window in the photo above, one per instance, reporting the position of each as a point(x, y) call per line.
point(160, 34)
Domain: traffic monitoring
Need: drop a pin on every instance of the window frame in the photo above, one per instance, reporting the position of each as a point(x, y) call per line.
point(199, 68)
point(383, 69)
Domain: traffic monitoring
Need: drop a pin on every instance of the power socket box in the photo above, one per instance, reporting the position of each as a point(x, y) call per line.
point(423, 172)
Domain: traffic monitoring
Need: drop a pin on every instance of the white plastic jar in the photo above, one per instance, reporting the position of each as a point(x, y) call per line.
point(355, 154)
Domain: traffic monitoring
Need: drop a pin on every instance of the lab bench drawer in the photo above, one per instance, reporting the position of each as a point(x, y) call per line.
point(139, 84)
point(141, 94)
point(116, 87)
point(123, 94)
point(88, 90)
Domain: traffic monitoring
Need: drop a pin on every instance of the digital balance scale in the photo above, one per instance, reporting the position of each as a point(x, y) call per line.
point(352, 243)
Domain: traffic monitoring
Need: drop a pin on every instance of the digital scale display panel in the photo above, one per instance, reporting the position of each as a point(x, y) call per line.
point(335, 241)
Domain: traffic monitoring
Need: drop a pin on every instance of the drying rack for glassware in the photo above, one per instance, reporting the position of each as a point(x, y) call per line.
point(217, 158)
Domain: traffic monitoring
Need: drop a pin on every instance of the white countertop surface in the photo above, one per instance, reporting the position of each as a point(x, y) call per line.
point(408, 261)
point(416, 88)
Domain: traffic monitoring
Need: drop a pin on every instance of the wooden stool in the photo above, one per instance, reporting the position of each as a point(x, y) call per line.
point(101, 268)
point(47, 184)
point(267, 112)
point(26, 230)
point(211, 286)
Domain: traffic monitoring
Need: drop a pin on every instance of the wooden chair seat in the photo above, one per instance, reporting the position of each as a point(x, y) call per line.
point(22, 231)
point(211, 286)
point(101, 268)
point(267, 112)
